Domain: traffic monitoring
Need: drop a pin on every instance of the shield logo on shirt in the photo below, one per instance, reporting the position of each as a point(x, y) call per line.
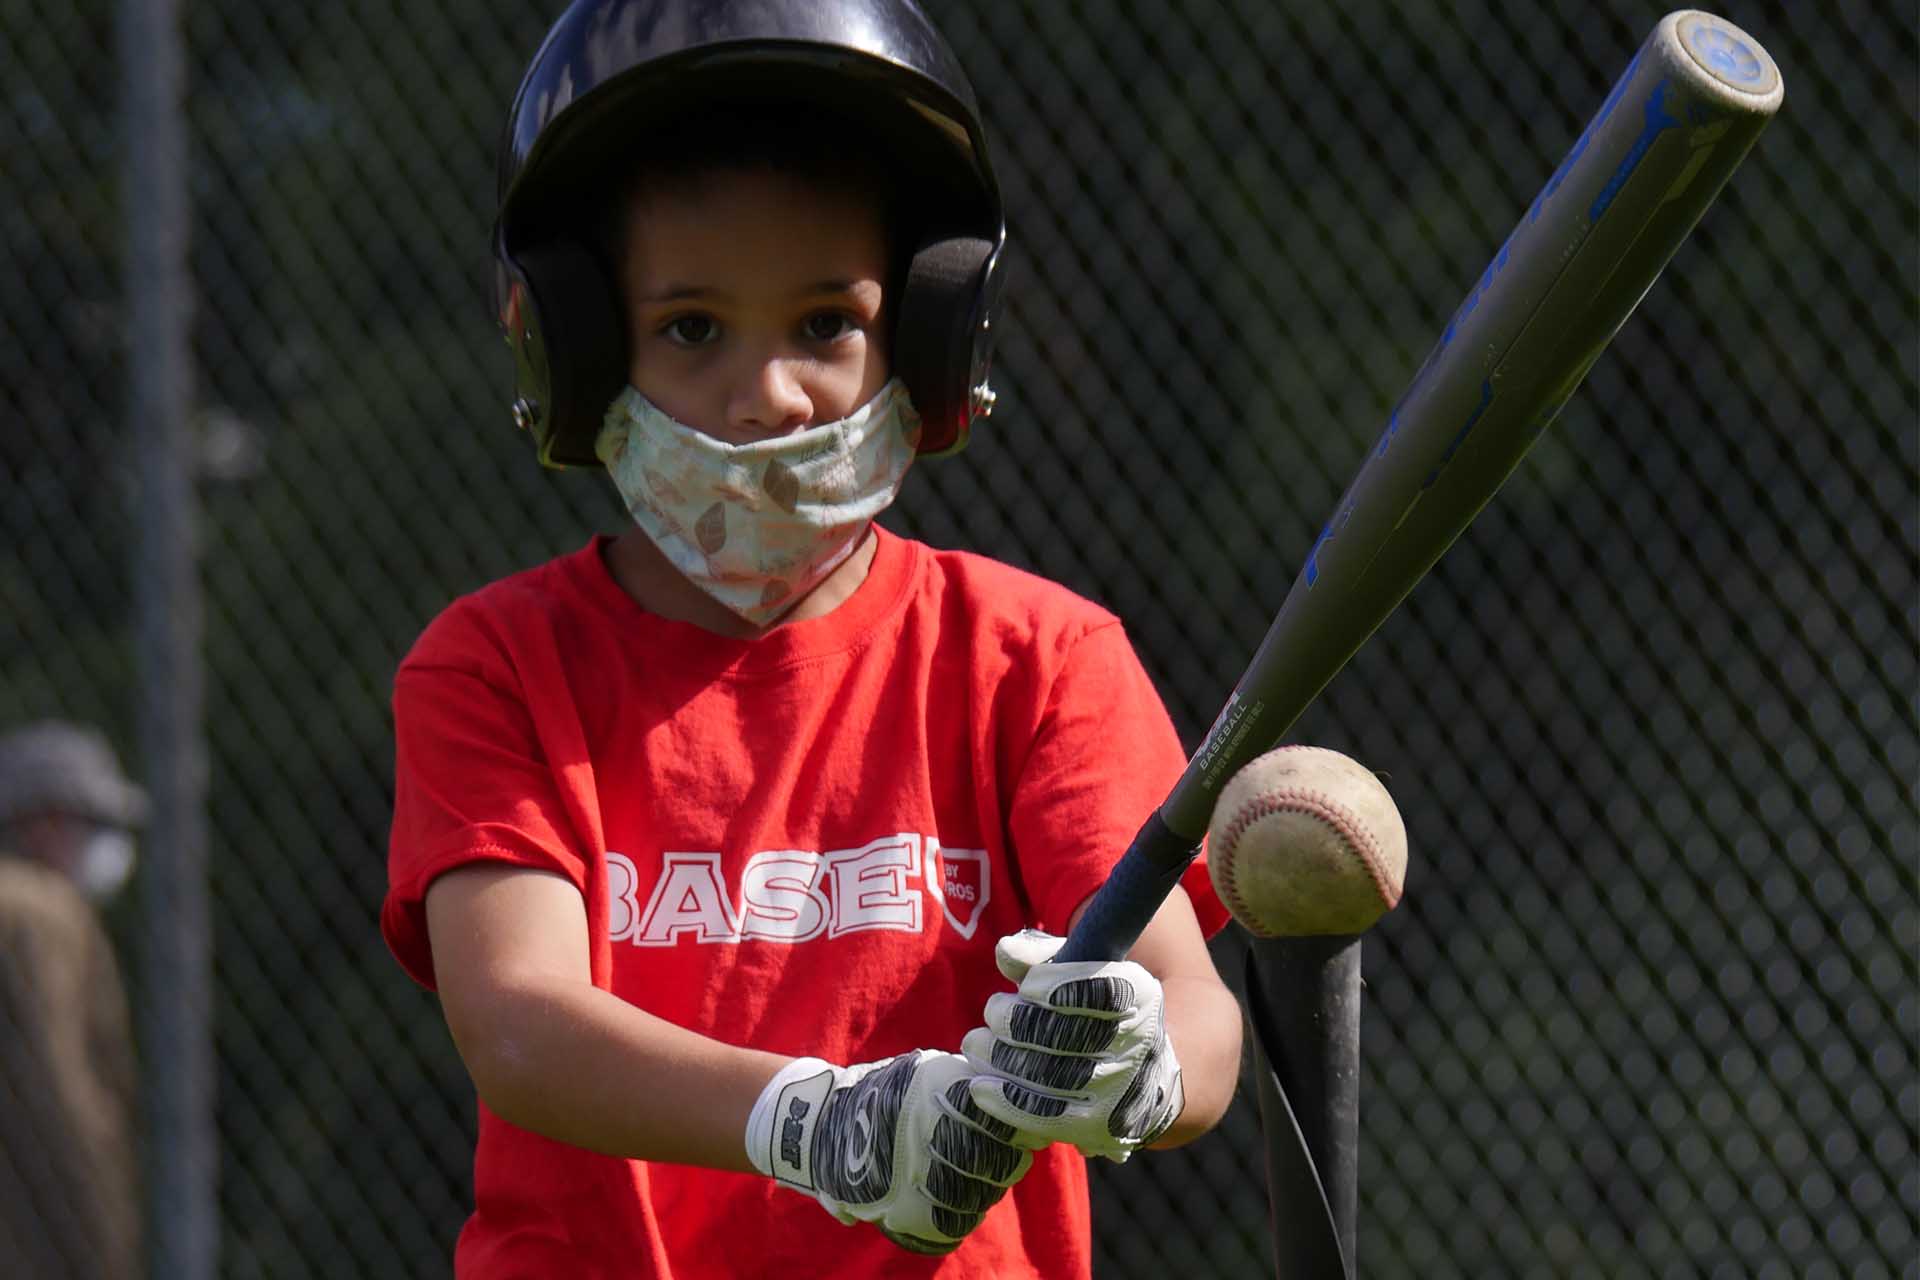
point(963, 886)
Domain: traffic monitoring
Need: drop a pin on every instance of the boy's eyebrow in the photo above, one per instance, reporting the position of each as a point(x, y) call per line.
point(681, 292)
point(835, 286)
point(685, 292)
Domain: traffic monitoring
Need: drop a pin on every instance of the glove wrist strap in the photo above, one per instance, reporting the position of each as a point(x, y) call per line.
point(780, 1128)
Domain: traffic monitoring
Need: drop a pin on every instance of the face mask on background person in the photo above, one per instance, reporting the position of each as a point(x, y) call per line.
point(105, 864)
point(756, 526)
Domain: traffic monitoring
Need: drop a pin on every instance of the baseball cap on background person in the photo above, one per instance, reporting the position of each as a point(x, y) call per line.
point(64, 800)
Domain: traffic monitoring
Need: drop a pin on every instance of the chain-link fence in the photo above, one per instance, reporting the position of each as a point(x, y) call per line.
point(1649, 1007)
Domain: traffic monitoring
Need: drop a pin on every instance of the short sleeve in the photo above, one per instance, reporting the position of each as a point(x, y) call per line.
point(1104, 757)
point(471, 781)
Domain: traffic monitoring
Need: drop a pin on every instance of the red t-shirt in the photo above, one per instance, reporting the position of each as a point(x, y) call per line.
point(805, 843)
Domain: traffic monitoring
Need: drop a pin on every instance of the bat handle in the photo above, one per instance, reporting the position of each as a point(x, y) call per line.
point(1138, 884)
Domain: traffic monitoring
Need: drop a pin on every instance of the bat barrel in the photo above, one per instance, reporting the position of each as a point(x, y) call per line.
point(1648, 164)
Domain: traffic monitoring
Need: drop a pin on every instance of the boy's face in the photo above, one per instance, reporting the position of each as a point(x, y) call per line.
point(755, 303)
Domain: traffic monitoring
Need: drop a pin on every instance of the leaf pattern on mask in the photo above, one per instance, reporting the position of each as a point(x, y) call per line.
point(739, 489)
point(781, 485)
point(710, 531)
point(839, 479)
point(662, 487)
point(669, 525)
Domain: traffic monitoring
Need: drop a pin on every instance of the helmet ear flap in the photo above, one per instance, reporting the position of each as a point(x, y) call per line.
point(563, 321)
point(943, 342)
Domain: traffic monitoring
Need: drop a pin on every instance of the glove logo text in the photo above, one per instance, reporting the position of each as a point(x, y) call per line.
point(791, 1128)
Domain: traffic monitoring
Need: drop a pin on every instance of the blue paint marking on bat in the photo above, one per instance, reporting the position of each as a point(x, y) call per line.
point(1312, 572)
point(1657, 121)
point(1500, 260)
point(1393, 429)
point(1493, 270)
point(1460, 436)
point(1580, 144)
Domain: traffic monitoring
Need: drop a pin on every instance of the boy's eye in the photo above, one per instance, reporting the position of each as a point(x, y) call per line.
point(691, 331)
point(825, 326)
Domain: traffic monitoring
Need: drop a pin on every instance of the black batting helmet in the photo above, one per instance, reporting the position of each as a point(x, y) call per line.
point(612, 73)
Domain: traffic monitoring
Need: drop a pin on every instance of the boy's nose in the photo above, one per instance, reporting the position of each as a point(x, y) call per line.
point(772, 400)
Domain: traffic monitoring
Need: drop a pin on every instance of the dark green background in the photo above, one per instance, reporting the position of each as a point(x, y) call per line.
point(1649, 1006)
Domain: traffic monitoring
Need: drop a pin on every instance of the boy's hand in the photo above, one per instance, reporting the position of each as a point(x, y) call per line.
point(898, 1143)
point(1079, 1055)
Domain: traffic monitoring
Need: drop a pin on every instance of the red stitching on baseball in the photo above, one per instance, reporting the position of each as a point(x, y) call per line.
point(1267, 804)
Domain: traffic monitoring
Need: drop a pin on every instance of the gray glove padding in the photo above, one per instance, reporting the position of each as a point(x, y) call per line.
point(1080, 1054)
point(898, 1143)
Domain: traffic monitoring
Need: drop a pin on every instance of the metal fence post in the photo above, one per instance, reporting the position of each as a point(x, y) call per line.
point(177, 1014)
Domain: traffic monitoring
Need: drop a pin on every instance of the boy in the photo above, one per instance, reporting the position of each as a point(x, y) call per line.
point(703, 834)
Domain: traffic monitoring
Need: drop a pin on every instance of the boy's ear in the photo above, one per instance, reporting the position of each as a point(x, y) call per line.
point(943, 342)
point(561, 317)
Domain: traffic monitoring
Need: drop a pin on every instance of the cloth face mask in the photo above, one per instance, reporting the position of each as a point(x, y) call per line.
point(756, 526)
point(106, 863)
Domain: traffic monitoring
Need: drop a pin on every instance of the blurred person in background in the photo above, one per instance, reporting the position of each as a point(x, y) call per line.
point(69, 1186)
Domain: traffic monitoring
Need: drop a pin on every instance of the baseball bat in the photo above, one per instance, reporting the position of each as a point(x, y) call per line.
point(1661, 146)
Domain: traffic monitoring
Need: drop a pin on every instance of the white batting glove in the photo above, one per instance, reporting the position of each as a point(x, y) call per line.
point(1079, 1055)
point(898, 1143)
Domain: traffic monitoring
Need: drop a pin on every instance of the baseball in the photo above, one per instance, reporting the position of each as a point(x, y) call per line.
point(1306, 841)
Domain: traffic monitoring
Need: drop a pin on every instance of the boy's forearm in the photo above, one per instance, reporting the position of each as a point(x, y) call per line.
point(579, 1065)
point(1203, 1021)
